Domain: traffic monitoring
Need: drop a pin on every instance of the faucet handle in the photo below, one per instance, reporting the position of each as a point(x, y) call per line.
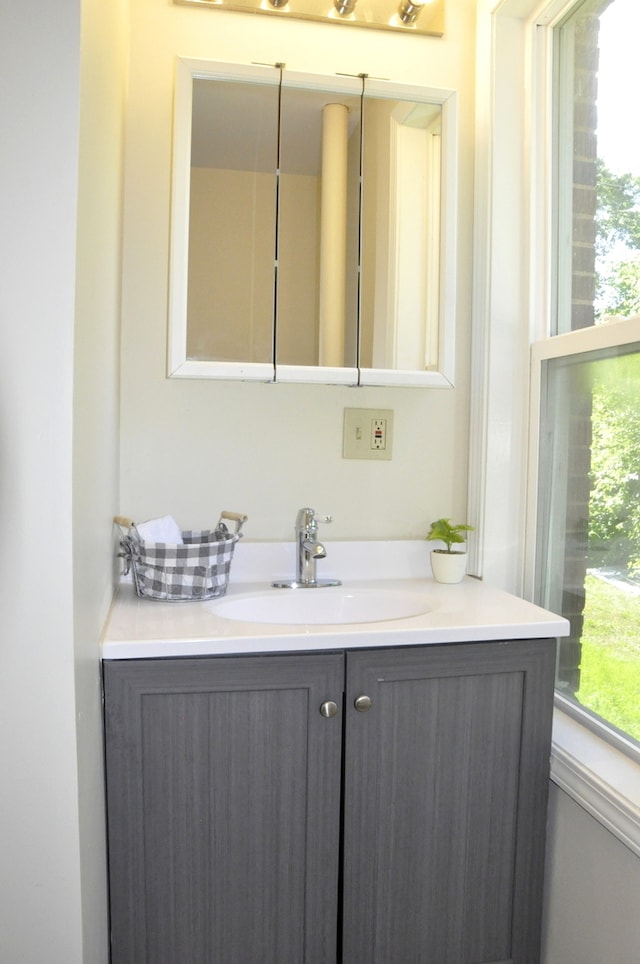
point(308, 517)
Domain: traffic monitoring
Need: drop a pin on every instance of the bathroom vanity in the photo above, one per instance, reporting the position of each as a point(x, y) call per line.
point(366, 793)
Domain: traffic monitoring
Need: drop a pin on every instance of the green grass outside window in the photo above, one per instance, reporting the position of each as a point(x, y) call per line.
point(610, 669)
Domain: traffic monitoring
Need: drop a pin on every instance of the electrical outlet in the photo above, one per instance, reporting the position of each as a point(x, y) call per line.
point(368, 433)
point(379, 434)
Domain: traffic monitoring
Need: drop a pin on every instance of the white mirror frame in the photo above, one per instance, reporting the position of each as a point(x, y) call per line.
point(180, 366)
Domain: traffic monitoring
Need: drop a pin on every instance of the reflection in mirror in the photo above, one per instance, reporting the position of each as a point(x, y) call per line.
point(313, 228)
point(318, 247)
point(232, 221)
point(401, 235)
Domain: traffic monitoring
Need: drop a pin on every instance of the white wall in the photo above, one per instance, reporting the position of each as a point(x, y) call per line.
point(591, 897)
point(56, 490)
point(40, 886)
point(96, 426)
point(192, 448)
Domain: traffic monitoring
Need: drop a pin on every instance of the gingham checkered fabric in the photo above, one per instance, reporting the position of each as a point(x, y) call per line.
point(199, 569)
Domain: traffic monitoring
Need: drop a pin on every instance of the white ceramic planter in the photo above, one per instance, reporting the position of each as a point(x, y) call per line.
point(448, 566)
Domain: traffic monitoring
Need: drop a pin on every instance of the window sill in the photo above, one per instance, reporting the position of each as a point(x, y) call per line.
point(602, 779)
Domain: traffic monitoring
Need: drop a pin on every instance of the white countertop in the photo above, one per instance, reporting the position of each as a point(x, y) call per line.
point(467, 612)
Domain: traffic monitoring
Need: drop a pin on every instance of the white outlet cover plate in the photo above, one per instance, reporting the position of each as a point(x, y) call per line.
point(358, 430)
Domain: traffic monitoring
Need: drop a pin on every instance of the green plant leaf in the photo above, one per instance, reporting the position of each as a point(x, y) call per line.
point(450, 533)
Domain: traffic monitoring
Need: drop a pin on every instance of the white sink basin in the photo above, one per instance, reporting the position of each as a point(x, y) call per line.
point(323, 606)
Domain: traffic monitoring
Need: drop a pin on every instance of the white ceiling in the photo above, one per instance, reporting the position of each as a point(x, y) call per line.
point(235, 126)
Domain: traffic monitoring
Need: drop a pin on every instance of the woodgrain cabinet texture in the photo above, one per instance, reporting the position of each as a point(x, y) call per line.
point(246, 826)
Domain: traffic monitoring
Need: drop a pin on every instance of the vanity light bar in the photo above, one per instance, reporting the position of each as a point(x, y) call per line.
point(424, 17)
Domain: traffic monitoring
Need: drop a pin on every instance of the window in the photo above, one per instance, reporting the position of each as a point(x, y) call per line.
point(588, 538)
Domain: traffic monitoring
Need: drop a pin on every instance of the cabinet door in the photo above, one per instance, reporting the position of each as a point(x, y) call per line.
point(445, 803)
point(223, 792)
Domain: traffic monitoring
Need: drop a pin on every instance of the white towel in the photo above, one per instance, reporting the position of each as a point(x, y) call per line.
point(164, 530)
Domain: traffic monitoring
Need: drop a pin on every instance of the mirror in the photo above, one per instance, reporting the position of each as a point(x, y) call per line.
point(313, 228)
point(316, 320)
point(232, 222)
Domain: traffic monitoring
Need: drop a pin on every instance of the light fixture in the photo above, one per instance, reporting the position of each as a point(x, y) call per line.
point(409, 11)
point(345, 7)
point(411, 16)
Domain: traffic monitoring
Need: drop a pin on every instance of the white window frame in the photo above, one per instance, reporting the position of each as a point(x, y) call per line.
point(512, 318)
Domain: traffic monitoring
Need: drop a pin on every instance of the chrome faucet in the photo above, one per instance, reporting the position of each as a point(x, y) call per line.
point(308, 551)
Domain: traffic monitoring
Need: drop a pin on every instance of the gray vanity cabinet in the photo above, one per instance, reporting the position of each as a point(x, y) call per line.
point(249, 825)
point(446, 780)
point(223, 796)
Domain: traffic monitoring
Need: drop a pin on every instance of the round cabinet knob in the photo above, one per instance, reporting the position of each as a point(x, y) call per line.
point(328, 709)
point(362, 704)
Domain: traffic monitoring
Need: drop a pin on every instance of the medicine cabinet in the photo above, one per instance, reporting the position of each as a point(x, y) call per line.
point(313, 228)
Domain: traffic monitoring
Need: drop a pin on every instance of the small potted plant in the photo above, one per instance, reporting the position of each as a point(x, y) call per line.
point(449, 565)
